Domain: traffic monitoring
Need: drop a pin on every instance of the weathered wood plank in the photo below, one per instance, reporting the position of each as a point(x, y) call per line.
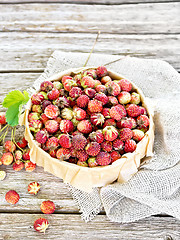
point(31, 51)
point(72, 227)
point(122, 19)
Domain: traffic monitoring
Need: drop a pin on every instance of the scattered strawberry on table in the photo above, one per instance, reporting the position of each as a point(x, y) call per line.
point(88, 118)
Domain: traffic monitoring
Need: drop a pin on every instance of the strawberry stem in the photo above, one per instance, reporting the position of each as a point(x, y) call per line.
point(14, 141)
point(2, 138)
point(4, 127)
point(92, 49)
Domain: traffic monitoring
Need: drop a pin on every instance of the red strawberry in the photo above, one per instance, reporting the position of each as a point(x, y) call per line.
point(63, 153)
point(106, 146)
point(102, 98)
point(33, 188)
point(110, 133)
point(95, 106)
point(133, 110)
point(109, 122)
point(64, 78)
point(52, 143)
point(105, 79)
point(103, 158)
point(106, 112)
point(12, 197)
point(101, 88)
point(79, 113)
point(124, 97)
point(52, 153)
point(101, 71)
point(65, 141)
point(46, 86)
point(37, 98)
point(7, 158)
point(97, 119)
point(93, 148)
point(26, 154)
point(51, 126)
point(125, 123)
point(118, 144)
point(96, 136)
point(22, 143)
point(116, 113)
point(125, 134)
point(92, 162)
point(112, 100)
point(82, 101)
point(41, 224)
point(75, 92)
point(125, 85)
point(30, 166)
point(84, 126)
point(87, 82)
point(90, 92)
point(113, 88)
point(69, 84)
point(79, 142)
point(47, 207)
point(53, 94)
point(18, 166)
point(35, 125)
point(143, 121)
point(115, 156)
point(51, 111)
point(82, 156)
point(42, 136)
point(138, 135)
point(143, 110)
point(9, 146)
point(43, 118)
point(2, 118)
point(91, 73)
point(62, 102)
point(66, 126)
point(130, 146)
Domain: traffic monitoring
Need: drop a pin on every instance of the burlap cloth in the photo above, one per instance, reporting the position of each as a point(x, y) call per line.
point(155, 188)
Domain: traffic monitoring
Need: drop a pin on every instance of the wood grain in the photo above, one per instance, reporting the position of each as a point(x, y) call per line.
point(72, 227)
point(30, 51)
point(121, 19)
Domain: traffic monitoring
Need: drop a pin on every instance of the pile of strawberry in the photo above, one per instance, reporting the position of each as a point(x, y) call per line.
point(88, 118)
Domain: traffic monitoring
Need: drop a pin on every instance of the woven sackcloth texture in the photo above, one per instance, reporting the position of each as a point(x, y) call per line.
point(155, 188)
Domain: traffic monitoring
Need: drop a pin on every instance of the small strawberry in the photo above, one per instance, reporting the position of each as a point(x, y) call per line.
point(18, 155)
point(66, 126)
point(42, 136)
point(101, 88)
point(87, 82)
point(112, 101)
point(62, 102)
point(95, 106)
point(12, 197)
point(115, 156)
point(22, 143)
point(2, 118)
point(7, 158)
point(125, 134)
point(35, 125)
point(75, 92)
point(44, 95)
point(51, 126)
point(144, 129)
point(79, 142)
point(96, 136)
point(125, 123)
point(37, 109)
point(9, 146)
point(113, 88)
point(110, 133)
point(33, 116)
point(47, 207)
point(92, 162)
point(30, 166)
point(52, 153)
point(101, 71)
point(63, 153)
point(116, 113)
point(106, 112)
point(69, 84)
point(51, 111)
point(143, 121)
point(97, 119)
point(102, 98)
point(65, 140)
point(82, 156)
point(43, 118)
point(2, 175)
point(90, 92)
point(84, 126)
point(67, 113)
point(33, 188)
point(64, 78)
point(82, 101)
point(118, 144)
point(138, 135)
point(143, 110)
point(18, 166)
point(52, 143)
point(135, 98)
point(82, 164)
point(37, 98)
point(41, 224)
point(133, 110)
point(130, 146)
point(46, 86)
point(106, 146)
point(58, 85)
point(79, 113)
point(124, 97)
point(53, 94)
point(125, 85)
point(105, 79)
point(26, 154)
point(93, 148)
point(103, 159)
point(109, 122)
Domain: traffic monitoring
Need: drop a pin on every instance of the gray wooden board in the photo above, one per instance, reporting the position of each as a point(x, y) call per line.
point(122, 19)
point(63, 226)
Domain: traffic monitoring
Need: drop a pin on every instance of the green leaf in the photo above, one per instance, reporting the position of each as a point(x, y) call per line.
point(12, 98)
point(26, 97)
point(12, 115)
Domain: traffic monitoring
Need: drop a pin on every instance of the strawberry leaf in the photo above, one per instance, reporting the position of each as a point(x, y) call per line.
point(12, 98)
point(12, 115)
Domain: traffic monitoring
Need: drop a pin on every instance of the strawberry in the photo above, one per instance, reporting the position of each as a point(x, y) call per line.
point(92, 162)
point(63, 153)
point(12, 197)
point(133, 110)
point(135, 98)
point(112, 101)
point(82, 164)
point(7, 158)
point(116, 113)
point(82, 101)
point(118, 144)
point(96, 136)
point(106, 146)
point(113, 88)
point(79, 113)
point(125, 134)
point(51, 111)
point(62, 102)
point(84, 126)
point(42, 136)
point(93, 148)
point(109, 122)
point(52, 153)
point(115, 156)
point(95, 106)
point(110, 133)
point(41, 224)
point(47, 207)
point(51, 126)
point(36, 108)
point(67, 113)
point(82, 156)
point(138, 135)
point(37, 98)
point(90, 92)
point(87, 82)
point(9, 146)
point(22, 143)
point(64, 78)
point(18, 166)
point(58, 85)
point(143, 121)
point(43, 118)
point(2, 175)
point(52, 143)
point(66, 126)
point(102, 98)
point(101, 88)
point(143, 110)
point(53, 94)
point(33, 116)
point(97, 119)
point(75, 92)
point(65, 140)
point(103, 159)
point(30, 166)
point(105, 79)
point(101, 71)
point(2, 118)
point(69, 84)
point(124, 97)
point(125, 85)
point(35, 125)
point(26, 154)
point(33, 188)
point(125, 123)
point(44, 95)
point(106, 112)
point(130, 146)
point(46, 86)
point(79, 142)
point(144, 129)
